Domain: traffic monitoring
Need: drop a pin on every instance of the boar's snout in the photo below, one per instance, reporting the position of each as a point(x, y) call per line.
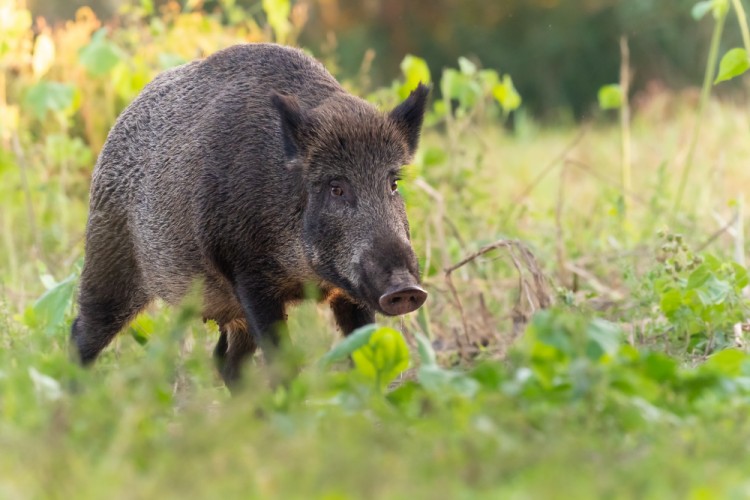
point(400, 300)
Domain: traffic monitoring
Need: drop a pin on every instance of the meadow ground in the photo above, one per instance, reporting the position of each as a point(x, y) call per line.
point(635, 383)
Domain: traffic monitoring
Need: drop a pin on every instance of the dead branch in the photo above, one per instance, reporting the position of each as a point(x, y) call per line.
point(533, 293)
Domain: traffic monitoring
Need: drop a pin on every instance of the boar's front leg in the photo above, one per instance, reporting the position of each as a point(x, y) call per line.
point(234, 348)
point(349, 315)
point(265, 313)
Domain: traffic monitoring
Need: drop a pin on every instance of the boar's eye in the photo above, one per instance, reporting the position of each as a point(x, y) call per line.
point(394, 186)
point(340, 189)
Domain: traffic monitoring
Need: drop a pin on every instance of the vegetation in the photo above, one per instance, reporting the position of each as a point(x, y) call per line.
point(583, 337)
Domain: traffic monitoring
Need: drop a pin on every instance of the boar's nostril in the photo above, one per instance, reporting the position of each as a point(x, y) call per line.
point(402, 300)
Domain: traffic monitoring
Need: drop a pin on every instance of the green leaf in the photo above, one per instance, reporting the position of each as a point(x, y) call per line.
point(351, 343)
point(100, 55)
point(405, 395)
point(549, 330)
point(741, 277)
point(489, 78)
point(671, 302)
point(451, 83)
point(713, 292)
point(701, 9)
point(383, 358)
point(467, 67)
point(142, 328)
point(733, 64)
point(443, 383)
point(51, 307)
point(506, 95)
point(728, 362)
point(660, 367)
point(699, 277)
point(49, 96)
point(424, 348)
point(489, 374)
point(610, 96)
point(603, 338)
point(415, 71)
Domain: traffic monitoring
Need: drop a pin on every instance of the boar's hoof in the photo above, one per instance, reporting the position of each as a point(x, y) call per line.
point(402, 300)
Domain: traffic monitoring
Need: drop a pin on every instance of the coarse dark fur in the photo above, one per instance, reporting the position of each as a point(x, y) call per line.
point(254, 172)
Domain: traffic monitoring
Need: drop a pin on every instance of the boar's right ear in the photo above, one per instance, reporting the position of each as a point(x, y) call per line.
point(409, 114)
point(292, 121)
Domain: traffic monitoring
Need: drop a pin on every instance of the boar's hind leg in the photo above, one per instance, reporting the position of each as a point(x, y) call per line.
point(110, 296)
point(234, 347)
point(350, 316)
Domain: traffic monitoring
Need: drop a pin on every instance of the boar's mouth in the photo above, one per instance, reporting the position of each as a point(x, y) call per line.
point(399, 293)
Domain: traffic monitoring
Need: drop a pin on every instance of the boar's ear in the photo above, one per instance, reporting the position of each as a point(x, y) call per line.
point(409, 114)
point(292, 124)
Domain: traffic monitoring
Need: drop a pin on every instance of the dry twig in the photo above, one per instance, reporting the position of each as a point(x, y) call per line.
point(532, 295)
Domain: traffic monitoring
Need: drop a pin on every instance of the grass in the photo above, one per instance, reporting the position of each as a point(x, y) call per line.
point(155, 420)
point(635, 384)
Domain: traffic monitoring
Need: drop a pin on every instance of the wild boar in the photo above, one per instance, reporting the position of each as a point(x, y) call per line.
point(254, 172)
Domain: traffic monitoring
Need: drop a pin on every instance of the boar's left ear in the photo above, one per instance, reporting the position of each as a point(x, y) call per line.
point(409, 114)
point(292, 124)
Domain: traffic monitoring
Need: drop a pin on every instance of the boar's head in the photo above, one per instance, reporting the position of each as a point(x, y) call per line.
point(347, 158)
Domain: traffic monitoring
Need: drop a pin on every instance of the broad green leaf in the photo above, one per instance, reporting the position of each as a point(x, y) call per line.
point(701, 9)
point(610, 96)
point(671, 302)
point(603, 338)
point(727, 362)
point(51, 307)
point(660, 367)
point(506, 95)
point(142, 328)
point(741, 278)
point(383, 358)
point(351, 343)
point(489, 78)
point(733, 64)
point(713, 292)
point(405, 395)
point(698, 277)
point(489, 374)
point(49, 96)
point(424, 348)
point(469, 94)
point(441, 382)
point(712, 262)
point(550, 330)
point(451, 83)
point(100, 55)
point(466, 66)
point(415, 71)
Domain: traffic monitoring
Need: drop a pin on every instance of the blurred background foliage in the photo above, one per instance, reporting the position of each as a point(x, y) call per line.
point(559, 52)
point(637, 382)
